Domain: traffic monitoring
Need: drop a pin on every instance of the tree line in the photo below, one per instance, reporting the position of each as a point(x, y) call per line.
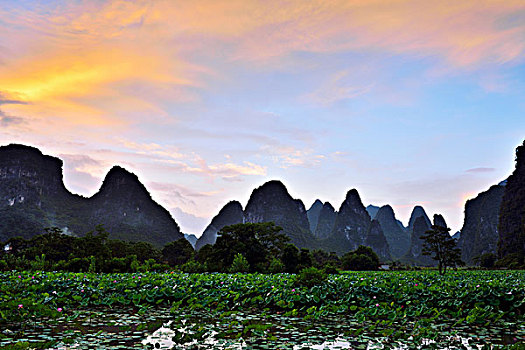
point(251, 247)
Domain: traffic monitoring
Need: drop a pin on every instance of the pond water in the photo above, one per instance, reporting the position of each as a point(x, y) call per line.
point(157, 329)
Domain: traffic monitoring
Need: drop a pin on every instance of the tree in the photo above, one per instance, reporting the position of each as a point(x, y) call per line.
point(290, 258)
point(178, 252)
point(94, 244)
point(118, 248)
point(361, 259)
point(144, 251)
point(442, 247)
point(305, 258)
point(240, 264)
point(276, 266)
point(321, 259)
point(54, 244)
point(258, 242)
point(487, 260)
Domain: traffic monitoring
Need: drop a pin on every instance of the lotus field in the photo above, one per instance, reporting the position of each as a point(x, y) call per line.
point(409, 309)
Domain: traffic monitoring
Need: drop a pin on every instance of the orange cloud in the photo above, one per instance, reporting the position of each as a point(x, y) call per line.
point(81, 61)
point(464, 33)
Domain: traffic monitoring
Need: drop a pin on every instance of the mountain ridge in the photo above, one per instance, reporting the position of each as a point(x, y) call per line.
point(34, 197)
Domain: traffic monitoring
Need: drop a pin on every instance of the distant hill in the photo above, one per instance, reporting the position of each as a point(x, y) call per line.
point(338, 232)
point(33, 197)
point(353, 227)
point(191, 238)
point(396, 235)
point(272, 202)
point(372, 210)
point(230, 214)
point(313, 214)
point(326, 222)
point(419, 223)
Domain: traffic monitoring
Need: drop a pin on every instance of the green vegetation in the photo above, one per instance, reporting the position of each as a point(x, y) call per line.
point(393, 304)
point(262, 245)
point(361, 259)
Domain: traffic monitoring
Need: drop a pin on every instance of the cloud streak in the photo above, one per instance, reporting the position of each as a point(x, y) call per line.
point(168, 88)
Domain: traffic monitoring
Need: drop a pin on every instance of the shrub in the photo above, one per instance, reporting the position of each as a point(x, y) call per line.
point(240, 264)
point(331, 269)
point(77, 265)
point(361, 259)
point(487, 260)
point(310, 277)
point(511, 261)
point(276, 266)
point(358, 262)
point(193, 266)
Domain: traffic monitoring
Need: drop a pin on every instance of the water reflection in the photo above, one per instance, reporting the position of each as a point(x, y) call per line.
point(196, 330)
point(245, 331)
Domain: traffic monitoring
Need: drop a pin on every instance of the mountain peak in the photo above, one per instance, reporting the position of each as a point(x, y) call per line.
point(22, 153)
point(372, 210)
point(352, 199)
point(398, 239)
point(418, 211)
point(272, 202)
point(119, 172)
point(32, 180)
point(387, 210)
point(272, 186)
point(119, 178)
point(352, 193)
point(329, 206)
point(316, 204)
point(230, 214)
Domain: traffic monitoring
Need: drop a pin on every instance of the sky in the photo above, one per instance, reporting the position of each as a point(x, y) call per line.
point(409, 102)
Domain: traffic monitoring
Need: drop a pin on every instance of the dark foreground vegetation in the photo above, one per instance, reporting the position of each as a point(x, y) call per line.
point(239, 248)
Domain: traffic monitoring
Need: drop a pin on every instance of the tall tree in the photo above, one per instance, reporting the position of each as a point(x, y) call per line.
point(442, 247)
point(258, 242)
point(178, 252)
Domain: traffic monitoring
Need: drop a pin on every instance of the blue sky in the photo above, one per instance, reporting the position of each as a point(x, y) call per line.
point(412, 103)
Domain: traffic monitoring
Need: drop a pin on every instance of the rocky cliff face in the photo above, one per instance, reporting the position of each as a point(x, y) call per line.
point(352, 228)
point(32, 193)
point(230, 214)
point(419, 227)
point(27, 174)
point(272, 202)
point(352, 221)
point(35, 197)
point(419, 223)
point(313, 214)
point(128, 212)
point(326, 222)
point(512, 212)
point(397, 237)
point(376, 239)
point(479, 234)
